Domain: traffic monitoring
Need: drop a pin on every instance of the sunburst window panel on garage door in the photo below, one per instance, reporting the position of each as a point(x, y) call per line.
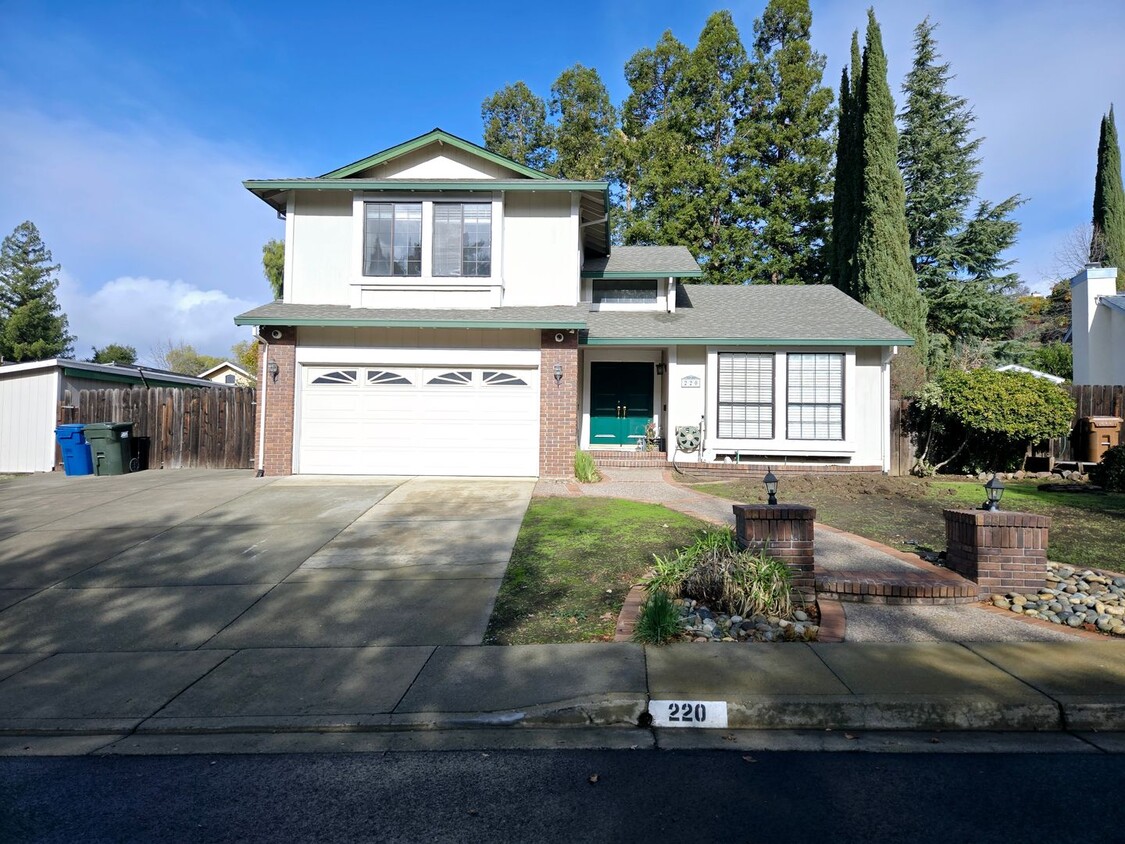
point(401, 420)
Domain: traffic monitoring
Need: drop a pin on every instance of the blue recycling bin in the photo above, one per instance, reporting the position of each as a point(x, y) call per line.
point(75, 450)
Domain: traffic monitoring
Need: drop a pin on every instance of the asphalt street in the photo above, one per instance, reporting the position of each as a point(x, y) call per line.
point(573, 796)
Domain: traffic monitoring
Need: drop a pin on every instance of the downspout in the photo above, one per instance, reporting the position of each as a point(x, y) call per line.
point(264, 368)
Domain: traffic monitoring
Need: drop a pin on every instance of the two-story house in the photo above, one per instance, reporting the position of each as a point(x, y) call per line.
point(447, 311)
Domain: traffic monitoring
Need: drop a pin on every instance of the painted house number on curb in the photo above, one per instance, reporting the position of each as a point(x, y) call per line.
point(689, 713)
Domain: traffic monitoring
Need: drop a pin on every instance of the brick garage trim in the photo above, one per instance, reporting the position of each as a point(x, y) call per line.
point(279, 401)
point(1001, 551)
point(558, 404)
point(785, 532)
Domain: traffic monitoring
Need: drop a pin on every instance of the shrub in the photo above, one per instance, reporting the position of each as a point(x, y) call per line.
point(1109, 474)
point(983, 419)
point(659, 620)
point(584, 468)
point(669, 572)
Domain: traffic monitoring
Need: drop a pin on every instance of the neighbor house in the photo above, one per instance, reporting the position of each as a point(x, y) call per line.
point(32, 394)
point(447, 311)
point(1097, 327)
point(229, 374)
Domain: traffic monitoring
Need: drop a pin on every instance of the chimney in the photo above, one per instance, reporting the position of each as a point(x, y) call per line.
point(1089, 324)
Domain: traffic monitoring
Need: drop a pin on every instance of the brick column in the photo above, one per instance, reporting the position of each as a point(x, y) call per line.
point(278, 398)
point(558, 404)
point(785, 532)
point(1001, 551)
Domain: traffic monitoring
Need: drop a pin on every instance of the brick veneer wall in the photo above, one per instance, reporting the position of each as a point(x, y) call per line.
point(785, 531)
point(558, 405)
point(1001, 551)
point(278, 396)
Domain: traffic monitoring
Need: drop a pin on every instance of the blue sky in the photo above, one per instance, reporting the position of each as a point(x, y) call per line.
point(127, 128)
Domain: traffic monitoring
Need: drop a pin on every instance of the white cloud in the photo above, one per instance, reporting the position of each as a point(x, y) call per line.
point(156, 235)
point(146, 312)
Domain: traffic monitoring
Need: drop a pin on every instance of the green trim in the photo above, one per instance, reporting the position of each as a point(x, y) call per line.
point(735, 341)
point(152, 381)
point(256, 185)
point(643, 274)
point(406, 323)
point(437, 135)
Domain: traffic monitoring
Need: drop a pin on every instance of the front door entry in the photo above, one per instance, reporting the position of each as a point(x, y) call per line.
point(620, 402)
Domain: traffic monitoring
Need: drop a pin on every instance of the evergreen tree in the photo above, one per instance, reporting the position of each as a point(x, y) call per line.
point(32, 325)
point(1108, 242)
point(847, 197)
point(114, 353)
point(956, 258)
point(585, 136)
point(786, 184)
point(515, 126)
point(273, 266)
point(884, 273)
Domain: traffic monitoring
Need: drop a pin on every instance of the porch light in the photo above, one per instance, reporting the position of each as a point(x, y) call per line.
point(770, 481)
point(558, 374)
point(995, 491)
point(660, 369)
point(273, 369)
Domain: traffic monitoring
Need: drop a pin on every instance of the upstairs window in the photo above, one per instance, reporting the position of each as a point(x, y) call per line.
point(624, 292)
point(463, 239)
point(816, 397)
point(392, 239)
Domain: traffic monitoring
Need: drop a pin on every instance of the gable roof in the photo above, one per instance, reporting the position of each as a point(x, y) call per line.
point(226, 364)
point(633, 261)
point(435, 136)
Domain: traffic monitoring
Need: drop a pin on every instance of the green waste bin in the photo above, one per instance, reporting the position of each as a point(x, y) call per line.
point(111, 446)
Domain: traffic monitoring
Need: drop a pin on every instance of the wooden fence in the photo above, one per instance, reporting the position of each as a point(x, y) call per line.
point(1089, 400)
point(209, 427)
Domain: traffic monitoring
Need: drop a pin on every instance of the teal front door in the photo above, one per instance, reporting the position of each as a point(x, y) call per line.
point(620, 403)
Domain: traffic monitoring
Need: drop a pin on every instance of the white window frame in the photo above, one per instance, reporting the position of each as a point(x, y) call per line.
point(763, 357)
point(831, 359)
point(461, 249)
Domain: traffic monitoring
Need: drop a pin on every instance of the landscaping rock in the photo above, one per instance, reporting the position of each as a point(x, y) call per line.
point(703, 625)
point(1077, 598)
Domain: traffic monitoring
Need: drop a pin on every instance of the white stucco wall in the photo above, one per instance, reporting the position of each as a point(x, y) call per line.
point(438, 161)
point(321, 253)
point(686, 405)
point(1099, 349)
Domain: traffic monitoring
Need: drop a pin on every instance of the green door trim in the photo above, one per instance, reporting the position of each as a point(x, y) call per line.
point(622, 400)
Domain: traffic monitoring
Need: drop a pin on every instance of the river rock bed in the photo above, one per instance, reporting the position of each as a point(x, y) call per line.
point(1084, 598)
point(702, 625)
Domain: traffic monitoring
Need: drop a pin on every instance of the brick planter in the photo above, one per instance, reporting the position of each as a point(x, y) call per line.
point(1001, 551)
point(784, 531)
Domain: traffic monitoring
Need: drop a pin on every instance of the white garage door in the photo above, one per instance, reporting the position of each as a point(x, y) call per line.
point(404, 420)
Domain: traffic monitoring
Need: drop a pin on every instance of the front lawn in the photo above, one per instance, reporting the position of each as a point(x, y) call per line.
point(1087, 529)
point(574, 562)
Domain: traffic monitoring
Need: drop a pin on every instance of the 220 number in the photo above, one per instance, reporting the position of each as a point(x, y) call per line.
point(686, 712)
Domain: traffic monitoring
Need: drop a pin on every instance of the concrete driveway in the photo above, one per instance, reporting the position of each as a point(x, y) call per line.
point(199, 560)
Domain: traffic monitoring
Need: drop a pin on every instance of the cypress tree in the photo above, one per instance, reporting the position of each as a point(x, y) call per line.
point(1108, 242)
point(884, 274)
point(847, 197)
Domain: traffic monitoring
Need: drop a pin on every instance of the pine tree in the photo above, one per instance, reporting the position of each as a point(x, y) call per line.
point(956, 258)
point(585, 135)
point(847, 197)
point(32, 325)
point(515, 126)
point(1108, 242)
point(884, 273)
point(786, 183)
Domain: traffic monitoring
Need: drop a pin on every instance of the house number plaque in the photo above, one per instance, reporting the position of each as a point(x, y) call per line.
point(691, 381)
point(688, 713)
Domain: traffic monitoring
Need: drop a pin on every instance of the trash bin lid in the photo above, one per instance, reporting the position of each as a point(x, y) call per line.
point(1104, 421)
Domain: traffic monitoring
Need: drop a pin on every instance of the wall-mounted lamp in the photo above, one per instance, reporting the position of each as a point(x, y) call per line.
point(660, 369)
point(558, 374)
point(559, 337)
point(770, 480)
point(273, 369)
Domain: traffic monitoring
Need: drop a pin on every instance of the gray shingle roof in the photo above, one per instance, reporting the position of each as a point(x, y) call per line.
point(752, 313)
point(282, 313)
point(1117, 302)
point(643, 261)
point(735, 314)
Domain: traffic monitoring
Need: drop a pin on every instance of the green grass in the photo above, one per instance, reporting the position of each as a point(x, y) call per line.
point(1087, 529)
point(574, 561)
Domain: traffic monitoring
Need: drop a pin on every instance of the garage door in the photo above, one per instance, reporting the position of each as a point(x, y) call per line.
point(403, 420)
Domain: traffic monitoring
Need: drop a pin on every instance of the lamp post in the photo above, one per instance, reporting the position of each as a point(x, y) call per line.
point(995, 491)
point(770, 480)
